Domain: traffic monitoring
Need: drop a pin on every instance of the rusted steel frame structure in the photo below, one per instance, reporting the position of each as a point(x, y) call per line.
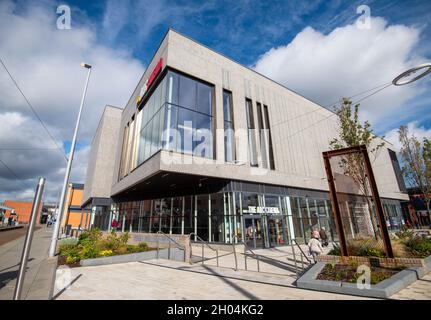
point(362, 149)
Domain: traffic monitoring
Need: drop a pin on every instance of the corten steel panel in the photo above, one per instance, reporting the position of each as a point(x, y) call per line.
point(361, 150)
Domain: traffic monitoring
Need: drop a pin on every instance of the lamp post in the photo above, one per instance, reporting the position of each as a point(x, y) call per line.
point(53, 246)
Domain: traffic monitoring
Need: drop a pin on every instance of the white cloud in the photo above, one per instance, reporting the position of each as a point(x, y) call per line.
point(347, 61)
point(417, 130)
point(45, 62)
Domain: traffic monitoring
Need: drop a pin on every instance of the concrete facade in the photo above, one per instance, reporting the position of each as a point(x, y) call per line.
point(301, 129)
point(103, 149)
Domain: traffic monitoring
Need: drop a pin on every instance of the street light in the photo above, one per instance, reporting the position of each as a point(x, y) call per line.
point(53, 246)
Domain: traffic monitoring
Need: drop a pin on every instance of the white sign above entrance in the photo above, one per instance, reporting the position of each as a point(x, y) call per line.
point(259, 210)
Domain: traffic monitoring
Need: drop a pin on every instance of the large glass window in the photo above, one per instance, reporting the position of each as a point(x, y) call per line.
point(151, 123)
point(251, 138)
point(269, 139)
point(229, 142)
point(188, 118)
point(176, 116)
point(202, 216)
point(262, 135)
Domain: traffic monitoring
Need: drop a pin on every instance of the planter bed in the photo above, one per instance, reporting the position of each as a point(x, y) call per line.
point(375, 261)
point(347, 273)
point(314, 279)
point(174, 254)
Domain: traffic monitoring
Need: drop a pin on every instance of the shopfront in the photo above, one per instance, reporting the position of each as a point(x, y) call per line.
point(262, 216)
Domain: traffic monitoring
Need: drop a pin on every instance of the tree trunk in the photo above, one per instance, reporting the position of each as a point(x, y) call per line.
point(373, 219)
point(428, 210)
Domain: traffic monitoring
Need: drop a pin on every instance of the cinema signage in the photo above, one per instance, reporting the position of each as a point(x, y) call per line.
point(260, 210)
point(157, 69)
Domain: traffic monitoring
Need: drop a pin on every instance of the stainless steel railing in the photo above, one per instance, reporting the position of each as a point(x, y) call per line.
point(246, 248)
point(303, 255)
point(170, 239)
point(203, 243)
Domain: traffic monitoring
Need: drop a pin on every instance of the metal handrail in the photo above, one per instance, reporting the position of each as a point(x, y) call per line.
point(302, 251)
point(203, 243)
point(178, 245)
point(246, 247)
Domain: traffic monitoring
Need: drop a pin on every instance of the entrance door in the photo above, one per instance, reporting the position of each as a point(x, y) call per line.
point(253, 235)
point(276, 231)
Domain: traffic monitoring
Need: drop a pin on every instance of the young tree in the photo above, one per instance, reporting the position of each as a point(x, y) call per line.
point(353, 133)
point(416, 163)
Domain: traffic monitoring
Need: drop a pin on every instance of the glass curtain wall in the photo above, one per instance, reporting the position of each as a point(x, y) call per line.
point(262, 220)
point(188, 116)
point(177, 116)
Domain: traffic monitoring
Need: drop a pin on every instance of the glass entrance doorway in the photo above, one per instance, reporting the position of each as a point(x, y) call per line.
point(253, 232)
point(277, 231)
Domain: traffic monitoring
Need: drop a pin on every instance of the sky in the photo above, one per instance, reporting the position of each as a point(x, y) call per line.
point(323, 50)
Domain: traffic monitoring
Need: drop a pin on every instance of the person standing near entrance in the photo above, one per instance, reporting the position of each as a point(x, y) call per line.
point(114, 225)
point(314, 246)
point(323, 237)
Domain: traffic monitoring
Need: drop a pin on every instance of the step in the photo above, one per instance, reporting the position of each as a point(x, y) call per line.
point(259, 277)
point(282, 264)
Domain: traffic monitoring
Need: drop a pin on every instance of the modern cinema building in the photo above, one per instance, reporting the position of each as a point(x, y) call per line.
point(208, 146)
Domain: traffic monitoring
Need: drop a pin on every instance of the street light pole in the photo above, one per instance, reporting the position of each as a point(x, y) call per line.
point(53, 246)
point(28, 239)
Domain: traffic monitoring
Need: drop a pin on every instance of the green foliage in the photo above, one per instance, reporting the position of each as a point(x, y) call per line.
point(416, 161)
point(404, 234)
point(336, 251)
point(419, 247)
point(91, 245)
point(143, 246)
point(88, 251)
point(379, 276)
point(352, 132)
point(72, 259)
point(368, 251)
point(105, 253)
point(66, 245)
point(92, 236)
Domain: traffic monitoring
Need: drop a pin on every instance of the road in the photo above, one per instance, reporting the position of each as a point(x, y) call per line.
point(10, 235)
point(40, 269)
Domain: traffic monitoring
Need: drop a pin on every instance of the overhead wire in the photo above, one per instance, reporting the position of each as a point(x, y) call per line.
point(33, 109)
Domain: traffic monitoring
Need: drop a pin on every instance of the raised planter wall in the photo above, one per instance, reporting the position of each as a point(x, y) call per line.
point(174, 254)
point(383, 289)
point(374, 261)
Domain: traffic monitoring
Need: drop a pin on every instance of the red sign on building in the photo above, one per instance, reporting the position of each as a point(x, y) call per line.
point(156, 71)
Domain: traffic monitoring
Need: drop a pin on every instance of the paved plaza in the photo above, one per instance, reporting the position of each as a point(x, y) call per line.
point(174, 280)
point(171, 280)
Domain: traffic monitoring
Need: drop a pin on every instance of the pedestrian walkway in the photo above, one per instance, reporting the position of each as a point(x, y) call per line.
point(173, 280)
point(40, 269)
point(418, 290)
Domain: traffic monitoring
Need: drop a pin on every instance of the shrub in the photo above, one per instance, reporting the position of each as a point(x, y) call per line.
point(379, 276)
point(68, 241)
point(88, 251)
point(106, 253)
point(419, 247)
point(90, 236)
point(368, 251)
point(122, 249)
point(72, 259)
point(143, 246)
point(404, 234)
point(124, 238)
point(336, 251)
